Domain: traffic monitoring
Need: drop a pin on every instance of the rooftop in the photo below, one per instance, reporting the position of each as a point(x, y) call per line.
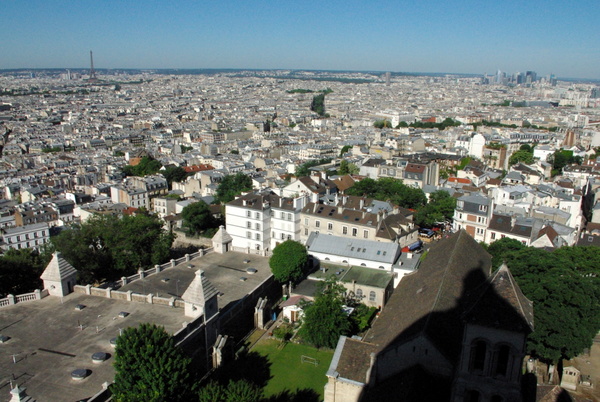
point(48, 344)
point(223, 271)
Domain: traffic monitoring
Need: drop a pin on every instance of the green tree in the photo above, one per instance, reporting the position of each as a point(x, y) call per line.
point(562, 158)
point(527, 148)
point(564, 287)
point(324, 320)
point(174, 174)
point(345, 149)
point(387, 188)
point(107, 247)
point(149, 367)
point(439, 208)
point(502, 247)
point(318, 104)
point(235, 391)
point(347, 168)
point(402, 124)
point(231, 186)
point(20, 271)
point(288, 261)
point(138, 241)
point(521, 156)
point(197, 217)
point(382, 124)
point(84, 247)
point(147, 166)
point(304, 169)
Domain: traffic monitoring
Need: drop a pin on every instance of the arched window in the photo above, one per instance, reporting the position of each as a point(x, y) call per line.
point(478, 355)
point(502, 355)
point(372, 296)
point(359, 293)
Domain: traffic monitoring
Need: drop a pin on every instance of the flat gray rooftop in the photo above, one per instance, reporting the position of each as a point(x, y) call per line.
point(48, 343)
point(224, 271)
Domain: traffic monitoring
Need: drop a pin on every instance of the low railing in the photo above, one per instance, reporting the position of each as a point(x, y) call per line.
point(12, 299)
point(159, 268)
point(111, 293)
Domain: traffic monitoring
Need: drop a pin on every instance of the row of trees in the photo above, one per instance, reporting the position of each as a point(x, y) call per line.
point(448, 122)
point(439, 208)
point(20, 271)
point(231, 186)
point(564, 286)
point(387, 188)
point(107, 247)
point(150, 166)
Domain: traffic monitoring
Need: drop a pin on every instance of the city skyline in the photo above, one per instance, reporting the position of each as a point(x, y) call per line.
point(432, 37)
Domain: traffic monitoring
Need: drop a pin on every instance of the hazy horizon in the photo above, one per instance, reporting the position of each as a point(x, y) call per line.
point(460, 37)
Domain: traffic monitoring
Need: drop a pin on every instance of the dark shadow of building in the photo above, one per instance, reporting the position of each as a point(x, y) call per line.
point(452, 331)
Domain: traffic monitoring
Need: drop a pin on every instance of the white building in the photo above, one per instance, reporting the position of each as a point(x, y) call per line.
point(28, 236)
point(248, 220)
point(473, 144)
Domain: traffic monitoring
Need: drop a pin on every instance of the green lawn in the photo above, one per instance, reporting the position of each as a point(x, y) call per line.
point(287, 370)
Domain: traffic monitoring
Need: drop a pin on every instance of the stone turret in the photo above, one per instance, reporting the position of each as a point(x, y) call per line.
point(59, 276)
point(201, 298)
point(221, 241)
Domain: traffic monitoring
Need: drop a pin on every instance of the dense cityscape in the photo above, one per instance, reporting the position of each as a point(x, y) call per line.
point(298, 235)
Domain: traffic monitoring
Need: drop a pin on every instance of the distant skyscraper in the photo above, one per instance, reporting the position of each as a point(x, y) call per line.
point(388, 78)
point(530, 76)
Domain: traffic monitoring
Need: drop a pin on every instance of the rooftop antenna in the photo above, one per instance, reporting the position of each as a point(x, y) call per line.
point(92, 72)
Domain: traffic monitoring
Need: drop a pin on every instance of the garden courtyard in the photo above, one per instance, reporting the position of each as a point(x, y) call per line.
point(294, 369)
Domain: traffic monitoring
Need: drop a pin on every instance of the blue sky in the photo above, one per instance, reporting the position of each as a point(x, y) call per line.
point(461, 36)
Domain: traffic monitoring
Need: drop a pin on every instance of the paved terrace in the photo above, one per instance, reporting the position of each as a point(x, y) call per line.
point(48, 344)
point(224, 271)
point(52, 324)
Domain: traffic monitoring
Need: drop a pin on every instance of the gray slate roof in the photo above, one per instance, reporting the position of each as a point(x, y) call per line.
point(353, 248)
